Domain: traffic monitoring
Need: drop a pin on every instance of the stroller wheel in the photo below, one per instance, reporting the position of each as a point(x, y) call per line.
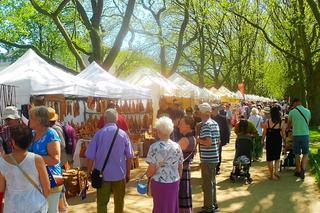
point(232, 178)
point(249, 180)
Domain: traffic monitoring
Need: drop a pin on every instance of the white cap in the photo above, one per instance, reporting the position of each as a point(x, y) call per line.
point(204, 108)
point(11, 112)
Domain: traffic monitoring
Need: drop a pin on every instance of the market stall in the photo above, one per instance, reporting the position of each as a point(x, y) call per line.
point(159, 86)
point(31, 75)
point(197, 94)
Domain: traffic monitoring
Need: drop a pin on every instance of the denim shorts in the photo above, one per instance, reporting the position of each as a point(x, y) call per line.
point(301, 144)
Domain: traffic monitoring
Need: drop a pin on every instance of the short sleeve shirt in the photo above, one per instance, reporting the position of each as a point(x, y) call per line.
point(299, 125)
point(99, 146)
point(167, 156)
point(257, 120)
point(210, 154)
point(40, 147)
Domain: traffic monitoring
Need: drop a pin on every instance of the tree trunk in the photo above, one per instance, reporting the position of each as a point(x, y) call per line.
point(108, 62)
point(180, 39)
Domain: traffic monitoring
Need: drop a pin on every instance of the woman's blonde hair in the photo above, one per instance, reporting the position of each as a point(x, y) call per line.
point(164, 125)
point(42, 114)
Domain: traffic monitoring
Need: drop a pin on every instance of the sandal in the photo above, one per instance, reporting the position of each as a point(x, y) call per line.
point(277, 175)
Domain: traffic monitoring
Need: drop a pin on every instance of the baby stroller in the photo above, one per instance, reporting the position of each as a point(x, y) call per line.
point(242, 159)
point(288, 157)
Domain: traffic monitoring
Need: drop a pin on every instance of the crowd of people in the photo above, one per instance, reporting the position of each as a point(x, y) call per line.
point(32, 153)
point(272, 126)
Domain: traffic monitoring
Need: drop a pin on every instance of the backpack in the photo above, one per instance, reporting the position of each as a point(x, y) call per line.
point(68, 138)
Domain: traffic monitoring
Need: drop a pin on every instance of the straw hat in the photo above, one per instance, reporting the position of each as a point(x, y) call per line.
point(254, 111)
point(53, 116)
point(266, 110)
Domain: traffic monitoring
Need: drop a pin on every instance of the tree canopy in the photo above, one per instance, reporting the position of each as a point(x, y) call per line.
point(271, 45)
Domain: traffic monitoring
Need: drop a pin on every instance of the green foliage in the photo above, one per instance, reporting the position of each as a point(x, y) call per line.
point(128, 61)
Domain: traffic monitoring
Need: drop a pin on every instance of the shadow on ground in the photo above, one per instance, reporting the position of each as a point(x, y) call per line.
point(287, 195)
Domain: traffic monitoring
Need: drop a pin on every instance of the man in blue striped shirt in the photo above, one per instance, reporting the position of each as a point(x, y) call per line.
point(209, 139)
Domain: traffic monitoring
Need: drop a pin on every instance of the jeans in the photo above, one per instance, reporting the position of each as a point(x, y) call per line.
point(103, 195)
point(208, 174)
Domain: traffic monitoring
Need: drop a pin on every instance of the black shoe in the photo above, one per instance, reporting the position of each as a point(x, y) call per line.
point(297, 174)
point(216, 208)
point(302, 174)
point(204, 211)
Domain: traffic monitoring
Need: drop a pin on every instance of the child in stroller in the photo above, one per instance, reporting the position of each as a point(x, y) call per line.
point(242, 159)
point(288, 159)
point(245, 131)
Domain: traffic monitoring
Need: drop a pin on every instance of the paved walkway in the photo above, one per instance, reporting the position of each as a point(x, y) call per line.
point(287, 195)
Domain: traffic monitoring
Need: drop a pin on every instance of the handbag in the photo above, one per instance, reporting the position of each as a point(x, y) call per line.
point(96, 174)
point(25, 174)
point(55, 180)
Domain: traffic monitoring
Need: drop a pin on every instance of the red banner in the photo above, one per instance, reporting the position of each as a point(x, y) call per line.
point(242, 88)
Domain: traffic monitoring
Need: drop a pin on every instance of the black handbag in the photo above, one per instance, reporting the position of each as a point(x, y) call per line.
point(96, 174)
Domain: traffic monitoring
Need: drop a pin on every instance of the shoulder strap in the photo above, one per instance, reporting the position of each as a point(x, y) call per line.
point(25, 174)
point(109, 152)
point(274, 125)
point(258, 123)
point(268, 123)
point(302, 116)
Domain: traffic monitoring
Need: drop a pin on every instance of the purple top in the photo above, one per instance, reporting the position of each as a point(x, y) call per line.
point(98, 149)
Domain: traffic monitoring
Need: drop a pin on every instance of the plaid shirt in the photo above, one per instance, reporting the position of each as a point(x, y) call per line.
point(5, 142)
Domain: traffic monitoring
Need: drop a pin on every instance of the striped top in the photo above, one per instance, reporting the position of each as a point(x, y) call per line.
point(210, 154)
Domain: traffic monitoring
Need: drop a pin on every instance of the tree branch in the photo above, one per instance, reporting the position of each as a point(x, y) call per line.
point(96, 17)
point(39, 53)
point(80, 48)
point(83, 14)
point(107, 63)
point(39, 9)
point(313, 6)
point(268, 39)
point(60, 7)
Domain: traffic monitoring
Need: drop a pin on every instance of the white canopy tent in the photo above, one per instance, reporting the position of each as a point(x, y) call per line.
point(110, 86)
point(208, 95)
point(153, 80)
point(226, 92)
point(158, 84)
point(34, 76)
point(186, 85)
point(197, 93)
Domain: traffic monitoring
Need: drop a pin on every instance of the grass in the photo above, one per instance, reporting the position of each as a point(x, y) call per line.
point(315, 152)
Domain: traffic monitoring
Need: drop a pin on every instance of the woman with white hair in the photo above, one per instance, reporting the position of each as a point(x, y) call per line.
point(165, 161)
point(257, 120)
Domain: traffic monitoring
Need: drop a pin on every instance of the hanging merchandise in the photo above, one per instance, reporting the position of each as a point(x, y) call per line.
point(69, 107)
point(126, 107)
point(145, 121)
point(63, 109)
point(76, 107)
point(7, 96)
point(141, 107)
point(133, 107)
point(98, 109)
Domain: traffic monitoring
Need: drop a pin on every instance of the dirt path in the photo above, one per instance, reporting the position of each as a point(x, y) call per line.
point(288, 195)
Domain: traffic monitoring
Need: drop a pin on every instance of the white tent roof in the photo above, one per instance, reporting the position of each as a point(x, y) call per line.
point(34, 76)
point(151, 79)
point(186, 85)
point(223, 90)
point(207, 94)
point(112, 86)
